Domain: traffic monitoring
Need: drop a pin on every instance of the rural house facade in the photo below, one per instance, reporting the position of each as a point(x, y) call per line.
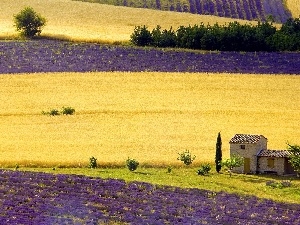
point(257, 157)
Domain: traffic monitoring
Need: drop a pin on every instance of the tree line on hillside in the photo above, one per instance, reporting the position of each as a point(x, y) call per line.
point(232, 37)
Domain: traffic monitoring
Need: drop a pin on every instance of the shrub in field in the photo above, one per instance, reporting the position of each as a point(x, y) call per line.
point(204, 169)
point(282, 184)
point(93, 163)
point(68, 111)
point(186, 157)
point(132, 164)
point(52, 112)
point(233, 162)
point(56, 112)
point(29, 23)
point(141, 36)
point(165, 38)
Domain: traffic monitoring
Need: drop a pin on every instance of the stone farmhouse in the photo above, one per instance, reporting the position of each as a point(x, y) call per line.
point(257, 157)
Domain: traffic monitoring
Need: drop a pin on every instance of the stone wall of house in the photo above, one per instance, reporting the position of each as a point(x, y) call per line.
point(250, 151)
point(278, 165)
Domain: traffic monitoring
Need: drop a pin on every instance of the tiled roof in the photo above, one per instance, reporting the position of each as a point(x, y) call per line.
point(245, 139)
point(274, 153)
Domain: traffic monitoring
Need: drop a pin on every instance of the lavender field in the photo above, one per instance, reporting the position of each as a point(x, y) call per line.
point(55, 56)
point(42, 198)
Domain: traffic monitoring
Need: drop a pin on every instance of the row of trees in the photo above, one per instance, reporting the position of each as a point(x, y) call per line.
point(231, 37)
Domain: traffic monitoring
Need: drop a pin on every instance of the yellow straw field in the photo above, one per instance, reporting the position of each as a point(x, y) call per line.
point(147, 116)
point(81, 21)
point(294, 6)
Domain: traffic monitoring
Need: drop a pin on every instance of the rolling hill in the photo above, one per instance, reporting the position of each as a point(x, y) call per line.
point(82, 21)
point(241, 9)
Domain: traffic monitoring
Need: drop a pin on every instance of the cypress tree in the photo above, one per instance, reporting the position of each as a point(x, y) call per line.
point(218, 158)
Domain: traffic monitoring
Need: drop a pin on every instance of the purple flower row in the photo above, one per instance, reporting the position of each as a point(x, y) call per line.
point(276, 9)
point(56, 56)
point(242, 9)
point(42, 198)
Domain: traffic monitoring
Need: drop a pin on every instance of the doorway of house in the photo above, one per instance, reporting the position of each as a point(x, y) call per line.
point(246, 165)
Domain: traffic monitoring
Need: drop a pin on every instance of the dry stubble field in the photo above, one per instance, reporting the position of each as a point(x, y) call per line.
point(148, 116)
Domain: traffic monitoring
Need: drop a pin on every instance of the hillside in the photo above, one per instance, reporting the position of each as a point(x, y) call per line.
point(97, 22)
point(240, 9)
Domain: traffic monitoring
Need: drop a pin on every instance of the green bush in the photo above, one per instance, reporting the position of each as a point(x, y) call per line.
point(231, 37)
point(165, 38)
point(29, 23)
point(204, 169)
point(186, 157)
point(93, 163)
point(141, 36)
point(56, 112)
point(68, 111)
point(132, 164)
point(52, 112)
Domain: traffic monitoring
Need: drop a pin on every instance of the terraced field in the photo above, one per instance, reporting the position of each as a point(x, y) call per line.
point(144, 111)
point(148, 104)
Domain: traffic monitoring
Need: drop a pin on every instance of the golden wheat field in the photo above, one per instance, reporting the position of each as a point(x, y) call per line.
point(294, 7)
point(81, 21)
point(147, 116)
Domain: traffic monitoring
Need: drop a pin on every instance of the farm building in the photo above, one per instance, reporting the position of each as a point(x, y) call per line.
point(257, 157)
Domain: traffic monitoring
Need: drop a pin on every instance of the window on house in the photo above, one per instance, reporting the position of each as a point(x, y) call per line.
point(271, 162)
point(242, 146)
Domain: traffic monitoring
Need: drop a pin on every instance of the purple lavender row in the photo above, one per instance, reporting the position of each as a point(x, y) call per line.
point(276, 9)
point(41, 198)
point(56, 56)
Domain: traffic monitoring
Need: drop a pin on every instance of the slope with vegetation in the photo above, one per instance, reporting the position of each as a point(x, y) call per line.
point(240, 9)
point(80, 21)
point(145, 117)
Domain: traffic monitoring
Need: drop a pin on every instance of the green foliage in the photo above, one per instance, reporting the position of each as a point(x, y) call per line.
point(56, 112)
point(68, 110)
point(132, 164)
point(141, 36)
point(52, 112)
point(29, 23)
point(294, 158)
point(186, 157)
point(218, 157)
point(93, 163)
point(288, 37)
point(233, 162)
point(204, 169)
point(165, 38)
point(17, 167)
point(282, 184)
point(231, 37)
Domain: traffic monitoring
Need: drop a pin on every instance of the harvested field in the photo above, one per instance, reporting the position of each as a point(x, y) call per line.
point(150, 115)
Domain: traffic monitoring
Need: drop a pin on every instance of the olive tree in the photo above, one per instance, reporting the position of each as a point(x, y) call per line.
point(29, 23)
